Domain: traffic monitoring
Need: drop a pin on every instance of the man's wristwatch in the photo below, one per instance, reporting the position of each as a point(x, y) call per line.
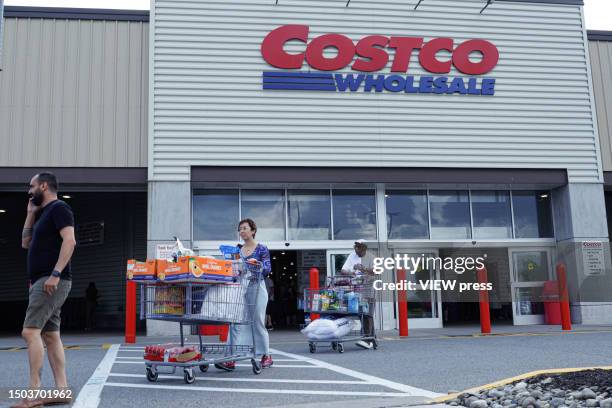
point(56, 273)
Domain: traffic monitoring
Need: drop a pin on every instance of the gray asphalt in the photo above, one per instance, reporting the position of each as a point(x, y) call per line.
point(436, 361)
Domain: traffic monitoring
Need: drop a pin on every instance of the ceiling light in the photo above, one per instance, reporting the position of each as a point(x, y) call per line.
point(543, 195)
point(66, 196)
point(2, 211)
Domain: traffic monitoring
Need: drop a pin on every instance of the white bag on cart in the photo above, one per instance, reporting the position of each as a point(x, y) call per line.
point(322, 329)
point(225, 303)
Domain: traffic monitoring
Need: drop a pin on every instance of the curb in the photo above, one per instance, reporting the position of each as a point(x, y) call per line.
point(509, 380)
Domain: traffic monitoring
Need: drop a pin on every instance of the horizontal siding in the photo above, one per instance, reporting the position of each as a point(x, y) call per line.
point(209, 108)
point(74, 93)
point(601, 67)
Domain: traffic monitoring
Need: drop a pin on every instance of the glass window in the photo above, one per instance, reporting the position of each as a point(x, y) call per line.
point(215, 215)
point(267, 209)
point(354, 214)
point(407, 214)
point(450, 214)
point(309, 214)
point(530, 266)
point(492, 214)
point(532, 214)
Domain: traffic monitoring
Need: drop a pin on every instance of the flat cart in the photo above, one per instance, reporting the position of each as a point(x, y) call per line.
point(192, 304)
point(344, 296)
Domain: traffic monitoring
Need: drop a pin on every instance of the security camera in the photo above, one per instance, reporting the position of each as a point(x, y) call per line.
point(287, 244)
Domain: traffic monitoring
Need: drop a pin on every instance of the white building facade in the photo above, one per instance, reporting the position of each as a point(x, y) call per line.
point(425, 127)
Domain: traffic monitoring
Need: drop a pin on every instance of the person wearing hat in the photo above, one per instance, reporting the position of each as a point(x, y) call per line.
point(361, 263)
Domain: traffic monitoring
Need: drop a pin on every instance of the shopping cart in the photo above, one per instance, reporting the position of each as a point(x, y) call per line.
point(193, 304)
point(344, 296)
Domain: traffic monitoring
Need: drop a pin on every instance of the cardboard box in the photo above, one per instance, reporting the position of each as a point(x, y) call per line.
point(142, 271)
point(195, 269)
point(211, 269)
point(174, 271)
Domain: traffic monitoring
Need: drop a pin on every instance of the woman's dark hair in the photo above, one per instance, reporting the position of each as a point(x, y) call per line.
point(251, 223)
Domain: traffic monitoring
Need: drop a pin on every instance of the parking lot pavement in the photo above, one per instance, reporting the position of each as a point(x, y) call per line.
point(113, 375)
point(120, 381)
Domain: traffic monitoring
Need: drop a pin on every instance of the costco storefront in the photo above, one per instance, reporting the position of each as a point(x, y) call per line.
point(439, 127)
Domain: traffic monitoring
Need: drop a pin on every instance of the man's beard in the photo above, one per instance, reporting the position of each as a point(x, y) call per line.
point(37, 198)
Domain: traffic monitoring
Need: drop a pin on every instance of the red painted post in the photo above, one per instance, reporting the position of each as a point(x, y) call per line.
point(483, 300)
point(566, 319)
point(130, 312)
point(402, 305)
point(314, 285)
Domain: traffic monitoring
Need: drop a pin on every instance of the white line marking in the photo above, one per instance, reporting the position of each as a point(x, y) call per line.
point(89, 396)
point(407, 389)
point(129, 358)
point(257, 390)
point(235, 379)
point(237, 365)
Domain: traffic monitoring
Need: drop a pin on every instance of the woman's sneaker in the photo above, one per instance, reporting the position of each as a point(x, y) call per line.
point(364, 344)
point(266, 362)
point(229, 366)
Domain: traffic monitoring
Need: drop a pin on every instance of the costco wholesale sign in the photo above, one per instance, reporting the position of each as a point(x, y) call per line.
point(370, 55)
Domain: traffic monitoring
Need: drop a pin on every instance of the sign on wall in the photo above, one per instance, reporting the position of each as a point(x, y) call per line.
point(371, 54)
point(593, 258)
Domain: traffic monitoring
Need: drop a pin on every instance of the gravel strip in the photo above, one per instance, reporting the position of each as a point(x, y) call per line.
point(589, 388)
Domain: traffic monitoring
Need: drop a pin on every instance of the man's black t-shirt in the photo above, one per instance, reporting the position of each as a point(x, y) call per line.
point(46, 240)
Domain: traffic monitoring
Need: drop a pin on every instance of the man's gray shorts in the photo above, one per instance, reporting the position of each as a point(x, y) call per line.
point(44, 309)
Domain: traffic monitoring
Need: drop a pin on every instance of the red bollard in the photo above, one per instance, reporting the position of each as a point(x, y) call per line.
point(483, 300)
point(314, 285)
point(130, 312)
point(402, 305)
point(566, 318)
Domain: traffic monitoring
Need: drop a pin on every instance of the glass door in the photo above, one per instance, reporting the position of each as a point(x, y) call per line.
point(423, 305)
point(336, 259)
point(529, 270)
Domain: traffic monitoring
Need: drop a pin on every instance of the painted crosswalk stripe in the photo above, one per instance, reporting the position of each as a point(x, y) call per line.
point(258, 390)
point(238, 379)
point(406, 389)
point(89, 396)
point(237, 365)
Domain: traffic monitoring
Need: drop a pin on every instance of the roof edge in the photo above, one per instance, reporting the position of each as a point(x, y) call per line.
point(75, 13)
point(599, 35)
point(568, 2)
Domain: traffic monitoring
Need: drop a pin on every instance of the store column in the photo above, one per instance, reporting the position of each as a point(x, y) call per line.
point(583, 245)
point(169, 215)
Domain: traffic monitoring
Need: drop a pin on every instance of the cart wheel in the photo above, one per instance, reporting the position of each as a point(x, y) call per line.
point(151, 374)
point(340, 348)
point(204, 368)
point(189, 376)
point(256, 366)
point(334, 346)
point(374, 344)
point(312, 347)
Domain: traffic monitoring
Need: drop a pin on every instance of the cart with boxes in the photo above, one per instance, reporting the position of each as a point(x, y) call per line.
point(193, 291)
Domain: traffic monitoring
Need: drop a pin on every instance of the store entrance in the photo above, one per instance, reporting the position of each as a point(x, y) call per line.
point(289, 277)
point(463, 308)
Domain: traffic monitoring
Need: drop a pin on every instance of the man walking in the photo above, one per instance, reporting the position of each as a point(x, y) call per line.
point(48, 234)
point(360, 263)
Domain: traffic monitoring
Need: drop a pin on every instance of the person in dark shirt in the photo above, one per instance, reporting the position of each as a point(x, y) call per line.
point(48, 234)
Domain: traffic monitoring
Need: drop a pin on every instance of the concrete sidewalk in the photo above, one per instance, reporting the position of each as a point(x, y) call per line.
point(279, 337)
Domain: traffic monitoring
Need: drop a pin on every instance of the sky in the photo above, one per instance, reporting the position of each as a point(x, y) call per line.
point(598, 13)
